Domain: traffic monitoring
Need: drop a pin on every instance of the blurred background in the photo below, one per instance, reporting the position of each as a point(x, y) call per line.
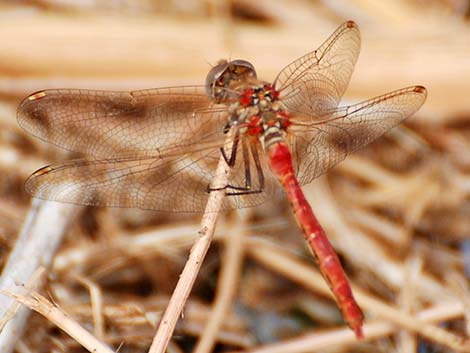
point(398, 212)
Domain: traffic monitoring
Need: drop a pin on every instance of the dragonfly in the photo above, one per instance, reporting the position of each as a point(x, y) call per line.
point(157, 149)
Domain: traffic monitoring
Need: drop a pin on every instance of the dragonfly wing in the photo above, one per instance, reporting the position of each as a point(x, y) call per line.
point(319, 146)
point(174, 181)
point(110, 124)
point(315, 82)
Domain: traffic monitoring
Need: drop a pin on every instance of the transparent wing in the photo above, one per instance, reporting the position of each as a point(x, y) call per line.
point(175, 180)
point(318, 146)
point(315, 82)
point(110, 124)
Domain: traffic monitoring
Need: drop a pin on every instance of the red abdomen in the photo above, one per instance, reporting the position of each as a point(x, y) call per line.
point(280, 161)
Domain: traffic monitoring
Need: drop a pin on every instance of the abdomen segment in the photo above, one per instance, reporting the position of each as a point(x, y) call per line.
point(281, 164)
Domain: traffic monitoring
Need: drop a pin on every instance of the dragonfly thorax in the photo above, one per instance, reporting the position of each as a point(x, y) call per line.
point(258, 112)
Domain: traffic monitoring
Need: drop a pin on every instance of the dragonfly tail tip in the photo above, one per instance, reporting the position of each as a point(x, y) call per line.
point(358, 332)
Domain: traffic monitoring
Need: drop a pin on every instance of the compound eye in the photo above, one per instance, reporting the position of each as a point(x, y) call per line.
point(242, 68)
point(226, 77)
point(215, 74)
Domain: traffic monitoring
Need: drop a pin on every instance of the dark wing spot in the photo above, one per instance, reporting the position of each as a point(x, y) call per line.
point(121, 107)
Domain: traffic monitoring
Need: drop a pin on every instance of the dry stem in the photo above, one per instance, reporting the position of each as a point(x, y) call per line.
point(226, 287)
point(35, 247)
point(96, 299)
point(54, 314)
point(193, 265)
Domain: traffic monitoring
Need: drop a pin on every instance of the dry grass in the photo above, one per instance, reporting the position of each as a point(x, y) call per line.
point(397, 212)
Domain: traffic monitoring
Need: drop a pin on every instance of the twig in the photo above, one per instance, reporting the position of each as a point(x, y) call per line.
point(33, 282)
point(35, 247)
point(193, 265)
point(37, 302)
point(408, 341)
point(96, 299)
point(226, 286)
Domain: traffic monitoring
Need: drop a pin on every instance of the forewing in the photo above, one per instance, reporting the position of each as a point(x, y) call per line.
point(315, 82)
point(319, 146)
point(175, 181)
point(110, 124)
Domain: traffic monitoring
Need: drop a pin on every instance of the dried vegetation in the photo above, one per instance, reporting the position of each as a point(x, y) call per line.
point(397, 212)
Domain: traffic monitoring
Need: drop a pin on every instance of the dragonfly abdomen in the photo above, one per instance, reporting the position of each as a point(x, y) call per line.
point(271, 136)
point(280, 161)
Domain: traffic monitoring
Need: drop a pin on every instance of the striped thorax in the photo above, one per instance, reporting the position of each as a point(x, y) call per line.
point(258, 113)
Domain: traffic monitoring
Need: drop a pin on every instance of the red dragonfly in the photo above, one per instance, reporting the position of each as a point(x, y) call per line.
point(157, 149)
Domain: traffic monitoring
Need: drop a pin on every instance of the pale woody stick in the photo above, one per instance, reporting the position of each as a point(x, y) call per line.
point(196, 257)
point(36, 245)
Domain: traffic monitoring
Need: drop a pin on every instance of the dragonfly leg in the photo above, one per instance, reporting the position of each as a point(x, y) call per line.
point(228, 186)
point(246, 160)
point(230, 161)
point(233, 154)
point(247, 189)
point(259, 169)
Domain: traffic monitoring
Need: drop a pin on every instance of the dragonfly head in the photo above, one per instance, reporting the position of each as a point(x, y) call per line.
point(223, 79)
